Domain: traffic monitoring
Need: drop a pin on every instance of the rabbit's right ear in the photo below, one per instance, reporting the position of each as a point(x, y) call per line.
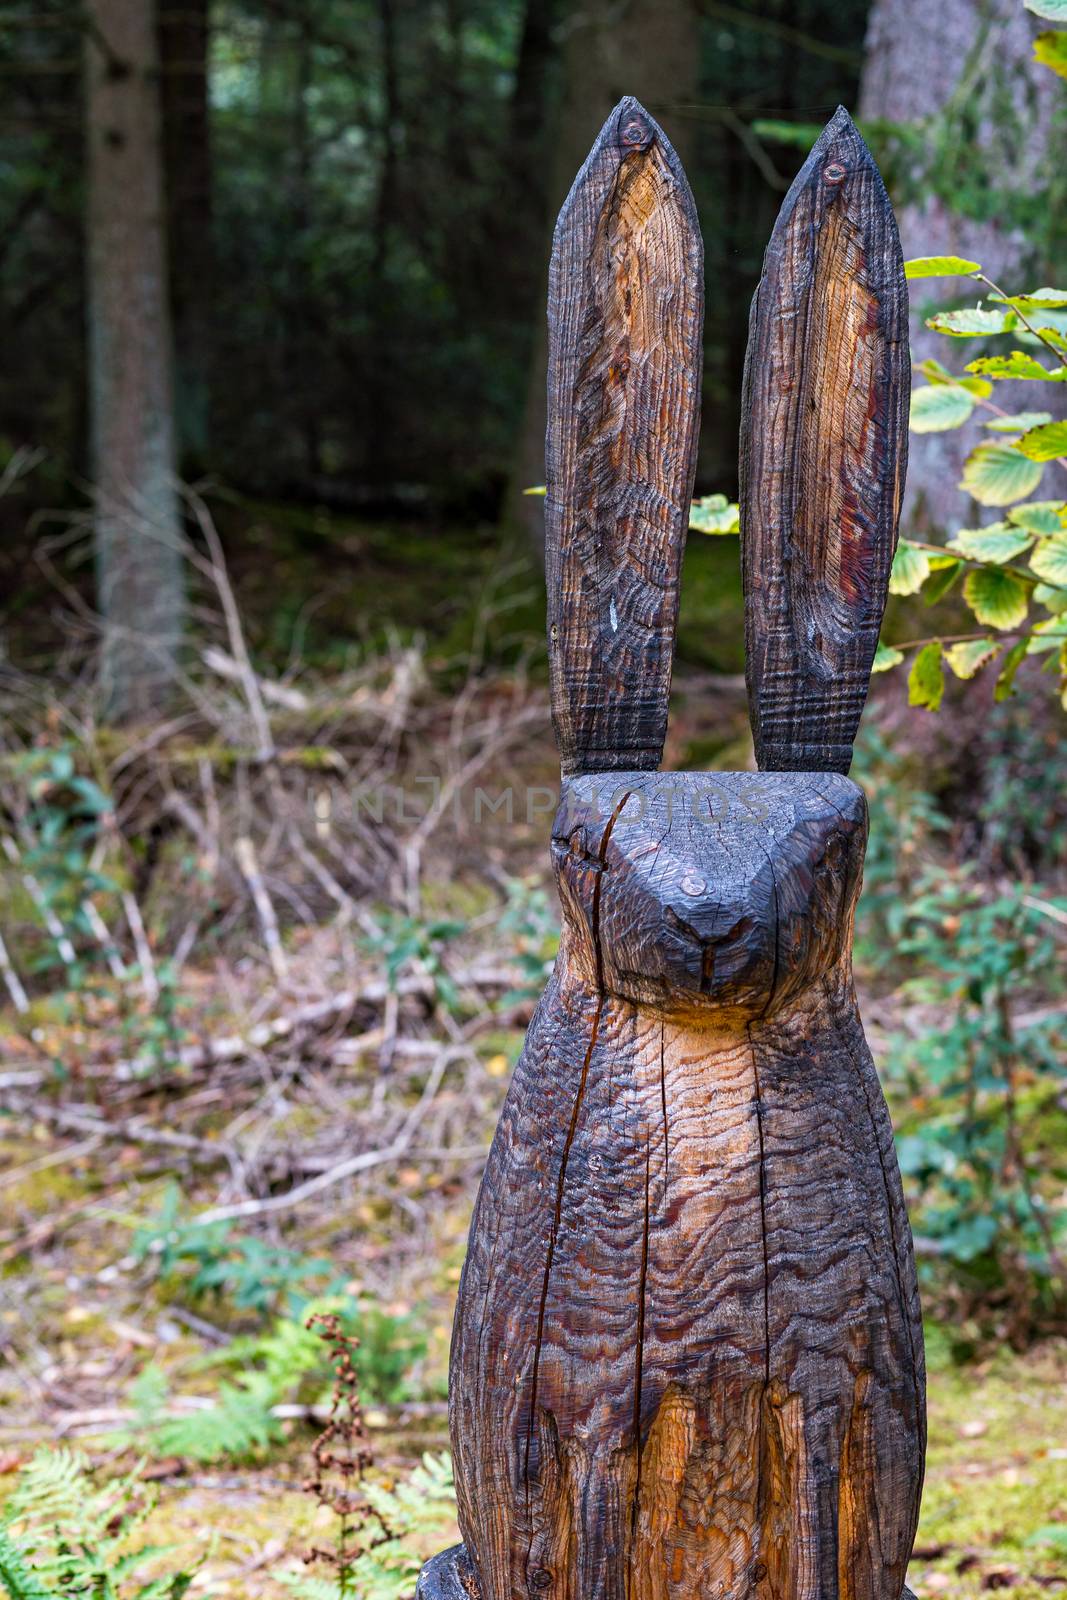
point(823, 454)
point(625, 314)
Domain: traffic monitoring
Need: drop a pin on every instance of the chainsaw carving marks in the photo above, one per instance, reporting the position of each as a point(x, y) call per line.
point(687, 1358)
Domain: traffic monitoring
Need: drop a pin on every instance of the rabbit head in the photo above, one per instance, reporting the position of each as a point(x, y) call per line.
point(708, 892)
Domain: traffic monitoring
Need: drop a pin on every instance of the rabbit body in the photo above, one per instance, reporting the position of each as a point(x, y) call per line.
point(687, 1357)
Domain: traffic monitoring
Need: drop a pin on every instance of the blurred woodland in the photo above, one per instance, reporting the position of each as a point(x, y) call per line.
point(272, 282)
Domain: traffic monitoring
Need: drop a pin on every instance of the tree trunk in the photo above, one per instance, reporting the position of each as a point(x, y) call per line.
point(183, 45)
point(963, 72)
point(139, 567)
point(645, 48)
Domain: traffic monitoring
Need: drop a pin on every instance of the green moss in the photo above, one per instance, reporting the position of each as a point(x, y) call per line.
point(995, 1474)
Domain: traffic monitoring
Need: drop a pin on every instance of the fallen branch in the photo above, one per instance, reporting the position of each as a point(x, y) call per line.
point(344, 1169)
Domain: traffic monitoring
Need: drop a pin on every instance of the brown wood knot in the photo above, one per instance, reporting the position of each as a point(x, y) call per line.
point(635, 133)
point(835, 172)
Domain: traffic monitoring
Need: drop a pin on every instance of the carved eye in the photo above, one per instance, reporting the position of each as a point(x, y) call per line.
point(835, 172)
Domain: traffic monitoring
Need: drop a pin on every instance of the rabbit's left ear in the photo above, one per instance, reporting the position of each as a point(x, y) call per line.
point(823, 454)
point(625, 314)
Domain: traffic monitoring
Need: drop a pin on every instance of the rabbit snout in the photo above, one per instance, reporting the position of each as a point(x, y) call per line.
point(708, 892)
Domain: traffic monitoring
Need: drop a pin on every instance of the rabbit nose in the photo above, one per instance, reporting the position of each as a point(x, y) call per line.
point(726, 944)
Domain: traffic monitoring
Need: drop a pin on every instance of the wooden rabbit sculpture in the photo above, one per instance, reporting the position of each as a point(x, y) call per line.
point(687, 1359)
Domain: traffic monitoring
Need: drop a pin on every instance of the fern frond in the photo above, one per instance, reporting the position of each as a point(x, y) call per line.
point(50, 1489)
point(309, 1585)
point(240, 1425)
point(420, 1501)
point(19, 1580)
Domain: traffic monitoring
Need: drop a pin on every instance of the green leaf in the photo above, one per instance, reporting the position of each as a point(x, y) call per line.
point(973, 322)
point(1049, 560)
point(1051, 50)
point(936, 373)
point(1037, 300)
point(537, 489)
point(940, 267)
point(971, 656)
point(1043, 443)
point(926, 680)
point(1049, 634)
point(1017, 365)
point(1052, 596)
point(999, 542)
point(885, 657)
point(997, 475)
point(940, 406)
point(911, 568)
point(1005, 684)
point(714, 514)
point(998, 599)
point(1019, 422)
point(941, 580)
point(1043, 517)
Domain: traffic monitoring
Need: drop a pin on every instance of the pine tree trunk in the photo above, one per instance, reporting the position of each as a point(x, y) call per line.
point(963, 72)
point(137, 527)
point(183, 45)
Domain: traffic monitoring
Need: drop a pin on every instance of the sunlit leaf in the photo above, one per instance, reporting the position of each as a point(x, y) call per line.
point(714, 514)
point(998, 599)
point(1048, 634)
point(885, 657)
point(1052, 596)
point(1043, 517)
point(1036, 300)
point(999, 542)
point(1049, 560)
point(911, 568)
point(940, 267)
point(1017, 365)
point(973, 322)
point(936, 373)
point(1051, 50)
point(537, 489)
point(998, 475)
point(1044, 443)
point(1019, 422)
point(971, 656)
point(926, 680)
point(940, 406)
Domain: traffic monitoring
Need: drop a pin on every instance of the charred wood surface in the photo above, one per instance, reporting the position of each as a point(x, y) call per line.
point(625, 313)
point(687, 1358)
point(824, 436)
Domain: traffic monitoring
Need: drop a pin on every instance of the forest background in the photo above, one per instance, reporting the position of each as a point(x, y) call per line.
point(275, 758)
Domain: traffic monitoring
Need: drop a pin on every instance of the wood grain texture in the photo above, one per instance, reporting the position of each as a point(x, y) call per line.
point(823, 454)
point(625, 318)
point(687, 1357)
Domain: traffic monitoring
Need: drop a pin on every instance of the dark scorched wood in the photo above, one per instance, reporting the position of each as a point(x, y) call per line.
point(687, 1358)
point(824, 437)
point(625, 314)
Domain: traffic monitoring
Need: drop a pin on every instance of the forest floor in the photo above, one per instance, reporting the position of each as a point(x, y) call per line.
point(262, 1044)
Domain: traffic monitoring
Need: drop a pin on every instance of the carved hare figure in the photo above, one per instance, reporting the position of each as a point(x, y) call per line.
point(687, 1359)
